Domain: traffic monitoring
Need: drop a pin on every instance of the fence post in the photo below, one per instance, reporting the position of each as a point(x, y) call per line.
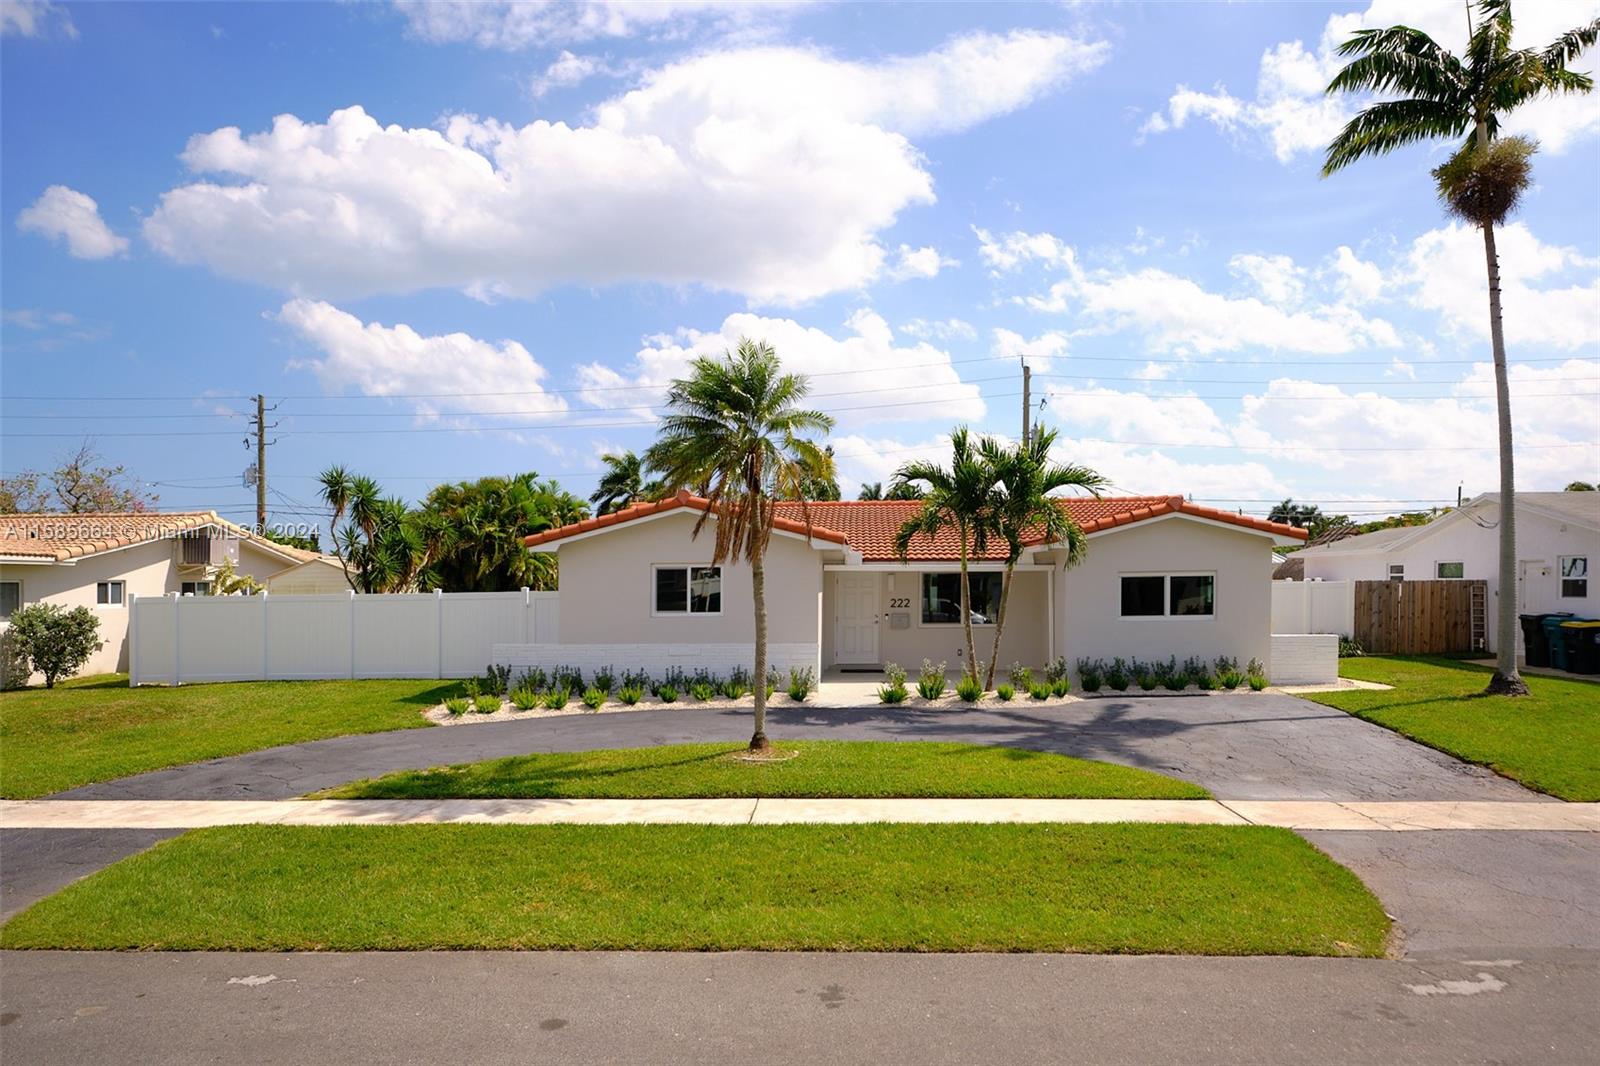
point(527, 616)
point(352, 634)
point(266, 644)
point(177, 642)
point(438, 621)
point(133, 642)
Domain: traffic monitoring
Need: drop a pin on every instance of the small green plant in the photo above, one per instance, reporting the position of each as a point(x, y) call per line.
point(667, 694)
point(1117, 675)
point(1146, 675)
point(1041, 691)
point(486, 704)
point(457, 706)
point(892, 693)
point(895, 675)
point(496, 679)
point(1091, 674)
point(969, 689)
point(1257, 682)
point(555, 699)
point(593, 697)
point(802, 679)
point(1021, 677)
point(630, 694)
point(1205, 681)
point(473, 688)
point(533, 680)
point(732, 689)
point(1228, 675)
point(639, 679)
point(1350, 647)
point(524, 698)
point(1256, 674)
point(1174, 678)
point(774, 680)
point(1056, 670)
point(1004, 693)
point(702, 690)
point(567, 677)
point(1061, 686)
point(930, 681)
point(605, 680)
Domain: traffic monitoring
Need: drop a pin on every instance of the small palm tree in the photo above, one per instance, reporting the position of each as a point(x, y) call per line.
point(623, 484)
point(1438, 94)
point(1026, 510)
point(962, 497)
point(736, 434)
point(872, 490)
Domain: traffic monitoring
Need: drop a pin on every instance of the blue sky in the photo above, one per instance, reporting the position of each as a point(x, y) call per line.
point(407, 224)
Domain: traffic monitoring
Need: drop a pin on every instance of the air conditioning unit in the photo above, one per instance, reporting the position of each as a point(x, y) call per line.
point(199, 550)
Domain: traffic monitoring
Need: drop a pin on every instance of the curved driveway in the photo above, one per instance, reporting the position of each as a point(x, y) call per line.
point(1255, 746)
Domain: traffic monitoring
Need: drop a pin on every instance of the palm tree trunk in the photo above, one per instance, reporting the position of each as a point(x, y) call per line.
point(758, 687)
point(1505, 681)
point(966, 612)
point(999, 625)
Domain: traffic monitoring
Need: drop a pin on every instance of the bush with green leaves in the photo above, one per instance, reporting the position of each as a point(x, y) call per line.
point(674, 678)
point(1118, 676)
point(630, 694)
point(1173, 677)
point(593, 697)
point(55, 642)
point(969, 689)
point(1041, 690)
point(931, 679)
point(485, 703)
point(892, 693)
point(802, 680)
point(524, 698)
point(1056, 670)
point(1257, 682)
point(1146, 675)
point(496, 679)
point(15, 669)
point(894, 675)
point(567, 677)
point(556, 699)
point(1229, 676)
point(457, 706)
point(1350, 647)
point(1061, 686)
point(774, 679)
point(1020, 677)
point(702, 690)
point(1091, 674)
point(532, 679)
point(667, 694)
point(733, 689)
point(1004, 692)
point(604, 680)
point(473, 687)
point(1255, 673)
point(639, 679)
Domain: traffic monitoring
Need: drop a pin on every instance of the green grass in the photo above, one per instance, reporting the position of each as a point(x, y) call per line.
point(97, 728)
point(1549, 740)
point(1226, 890)
point(823, 768)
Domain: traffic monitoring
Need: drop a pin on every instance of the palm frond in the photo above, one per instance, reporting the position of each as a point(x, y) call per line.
point(1388, 125)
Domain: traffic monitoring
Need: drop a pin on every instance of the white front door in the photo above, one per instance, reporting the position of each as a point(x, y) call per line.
point(855, 623)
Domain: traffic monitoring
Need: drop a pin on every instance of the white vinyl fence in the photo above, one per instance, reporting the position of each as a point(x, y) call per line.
point(1314, 607)
point(173, 639)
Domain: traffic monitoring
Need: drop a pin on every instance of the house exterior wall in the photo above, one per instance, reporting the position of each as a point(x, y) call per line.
point(1541, 541)
point(1088, 604)
point(607, 582)
point(308, 579)
point(145, 569)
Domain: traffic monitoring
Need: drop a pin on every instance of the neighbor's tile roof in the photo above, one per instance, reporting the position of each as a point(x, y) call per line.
point(870, 526)
point(59, 537)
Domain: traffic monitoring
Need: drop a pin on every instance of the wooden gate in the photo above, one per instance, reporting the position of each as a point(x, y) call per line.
point(1420, 617)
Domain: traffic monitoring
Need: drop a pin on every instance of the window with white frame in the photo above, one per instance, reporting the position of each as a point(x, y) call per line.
point(1168, 595)
point(10, 598)
point(1449, 571)
point(195, 588)
point(687, 590)
point(1397, 571)
point(1574, 576)
point(108, 593)
point(941, 597)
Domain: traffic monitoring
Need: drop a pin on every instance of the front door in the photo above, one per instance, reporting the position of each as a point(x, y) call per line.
point(855, 623)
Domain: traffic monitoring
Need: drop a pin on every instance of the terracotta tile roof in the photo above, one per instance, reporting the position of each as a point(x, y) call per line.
point(58, 537)
point(870, 526)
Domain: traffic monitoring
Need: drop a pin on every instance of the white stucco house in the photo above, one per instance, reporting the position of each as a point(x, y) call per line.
point(102, 561)
point(1163, 577)
point(1558, 536)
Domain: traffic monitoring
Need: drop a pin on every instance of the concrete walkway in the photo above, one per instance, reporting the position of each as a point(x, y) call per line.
point(1301, 814)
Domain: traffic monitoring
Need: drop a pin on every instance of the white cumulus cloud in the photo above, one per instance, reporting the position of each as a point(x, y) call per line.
point(512, 25)
point(69, 215)
point(35, 18)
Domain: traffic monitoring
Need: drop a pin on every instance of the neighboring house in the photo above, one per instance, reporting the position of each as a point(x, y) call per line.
point(1558, 536)
point(1162, 577)
point(321, 575)
point(101, 561)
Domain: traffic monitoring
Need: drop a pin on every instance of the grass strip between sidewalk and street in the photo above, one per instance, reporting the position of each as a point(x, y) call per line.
point(98, 729)
point(1548, 740)
point(1186, 889)
point(822, 768)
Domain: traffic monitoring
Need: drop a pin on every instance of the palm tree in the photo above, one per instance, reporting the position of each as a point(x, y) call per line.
point(961, 497)
point(1299, 515)
point(623, 484)
point(872, 490)
point(736, 434)
point(1438, 94)
point(385, 546)
point(346, 493)
point(482, 524)
point(1026, 510)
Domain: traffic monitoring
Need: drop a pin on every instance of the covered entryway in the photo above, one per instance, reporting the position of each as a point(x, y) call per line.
point(856, 619)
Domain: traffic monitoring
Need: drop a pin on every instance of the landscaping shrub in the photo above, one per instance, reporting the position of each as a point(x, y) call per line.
point(1229, 676)
point(486, 704)
point(667, 694)
point(54, 641)
point(533, 680)
point(774, 679)
point(1004, 693)
point(673, 678)
point(473, 688)
point(895, 675)
point(1173, 677)
point(1350, 647)
point(496, 679)
point(1258, 682)
point(555, 699)
point(1056, 670)
point(593, 697)
point(1256, 674)
point(457, 706)
point(1041, 691)
point(639, 679)
point(1205, 680)
point(892, 693)
point(733, 689)
point(630, 694)
point(567, 677)
point(1021, 677)
point(604, 680)
point(802, 679)
point(524, 698)
point(1091, 673)
point(702, 690)
point(1061, 686)
point(1146, 675)
point(930, 682)
point(969, 689)
point(15, 669)
point(1117, 675)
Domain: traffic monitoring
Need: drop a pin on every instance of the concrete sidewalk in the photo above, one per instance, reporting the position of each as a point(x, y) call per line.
point(1294, 814)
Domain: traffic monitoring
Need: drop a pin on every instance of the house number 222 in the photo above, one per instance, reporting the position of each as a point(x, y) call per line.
point(899, 601)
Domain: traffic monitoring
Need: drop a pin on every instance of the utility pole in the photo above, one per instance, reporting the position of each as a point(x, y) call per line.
point(258, 473)
point(1027, 403)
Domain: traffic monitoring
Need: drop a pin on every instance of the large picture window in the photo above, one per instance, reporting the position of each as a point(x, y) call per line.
point(688, 590)
point(1168, 595)
point(941, 598)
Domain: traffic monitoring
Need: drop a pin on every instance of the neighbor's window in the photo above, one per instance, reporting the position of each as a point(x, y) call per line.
point(10, 597)
point(1168, 595)
point(1397, 571)
point(1449, 571)
point(108, 593)
point(1574, 575)
point(941, 598)
point(196, 588)
point(688, 590)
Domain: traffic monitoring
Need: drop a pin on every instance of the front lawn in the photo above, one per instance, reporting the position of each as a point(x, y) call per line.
point(97, 728)
point(822, 768)
point(1218, 890)
point(1549, 740)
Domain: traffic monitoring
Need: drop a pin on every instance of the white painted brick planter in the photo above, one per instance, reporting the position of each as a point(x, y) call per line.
point(1304, 658)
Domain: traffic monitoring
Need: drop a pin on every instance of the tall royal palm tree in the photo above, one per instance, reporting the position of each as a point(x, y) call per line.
point(961, 497)
point(1027, 510)
point(735, 433)
point(1434, 93)
point(623, 484)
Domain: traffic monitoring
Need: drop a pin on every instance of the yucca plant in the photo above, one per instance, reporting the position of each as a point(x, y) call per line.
point(969, 689)
point(1041, 691)
point(524, 698)
point(555, 699)
point(457, 706)
point(593, 697)
point(931, 681)
point(892, 693)
point(630, 694)
point(1004, 692)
